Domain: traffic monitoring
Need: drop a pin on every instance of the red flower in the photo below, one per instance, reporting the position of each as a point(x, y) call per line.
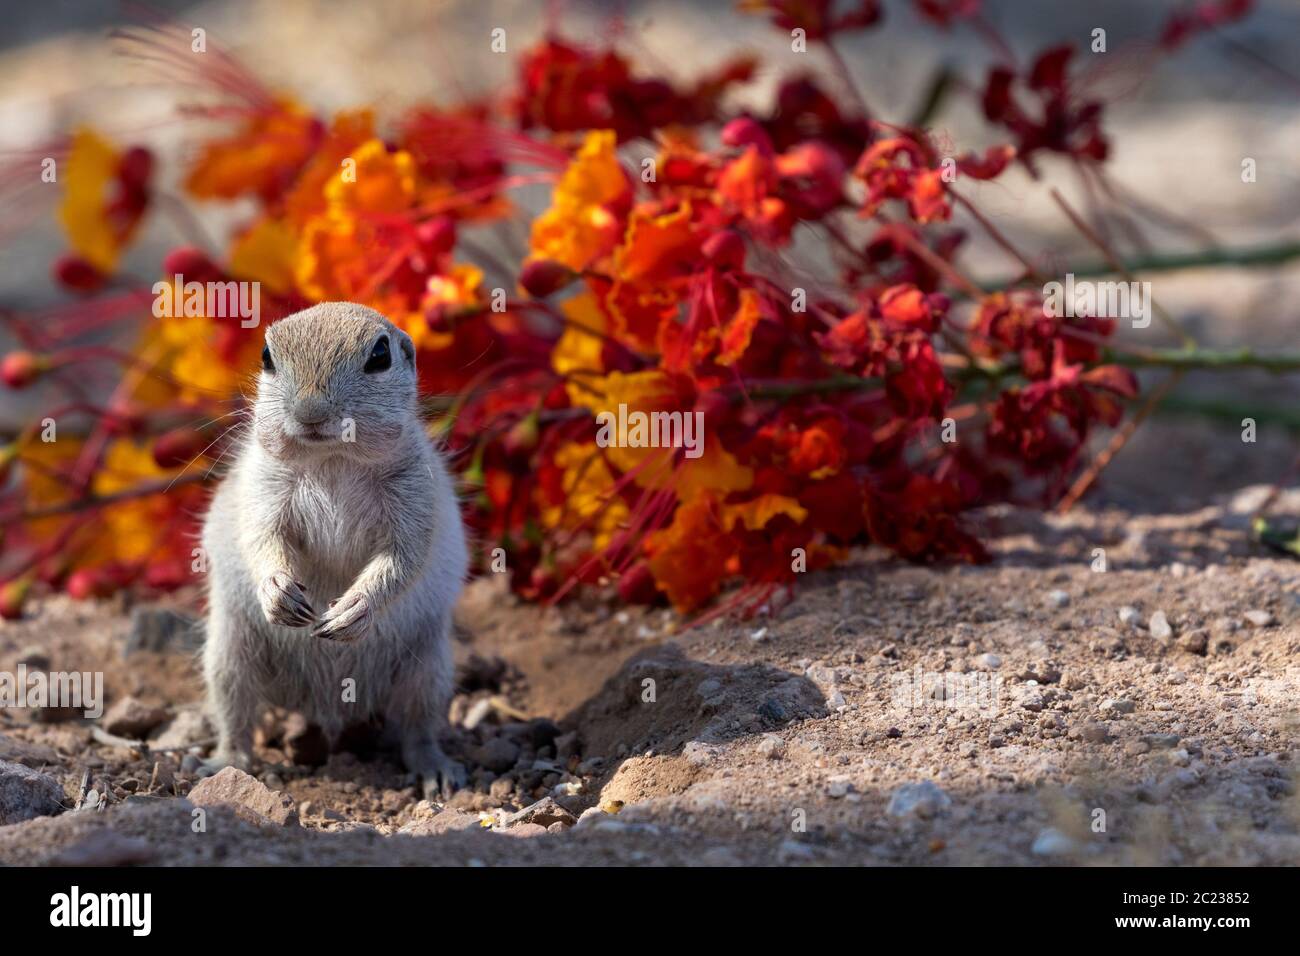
point(1064, 123)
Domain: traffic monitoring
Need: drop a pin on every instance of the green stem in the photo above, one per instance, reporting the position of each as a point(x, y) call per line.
point(1248, 257)
point(1230, 412)
point(1201, 358)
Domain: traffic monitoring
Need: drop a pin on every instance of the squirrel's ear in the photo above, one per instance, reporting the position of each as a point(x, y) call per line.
point(408, 348)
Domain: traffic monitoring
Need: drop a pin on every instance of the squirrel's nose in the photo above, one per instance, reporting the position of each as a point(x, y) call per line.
point(311, 411)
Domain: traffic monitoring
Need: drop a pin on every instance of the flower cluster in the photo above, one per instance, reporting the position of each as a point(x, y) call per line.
point(656, 282)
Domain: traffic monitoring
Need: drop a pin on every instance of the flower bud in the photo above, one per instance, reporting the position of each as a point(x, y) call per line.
point(89, 583)
point(77, 275)
point(744, 131)
point(543, 277)
point(12, 597)
point(20, 369)
point(134, 169)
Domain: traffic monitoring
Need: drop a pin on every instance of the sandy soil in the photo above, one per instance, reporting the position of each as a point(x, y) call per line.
point(1068, 730)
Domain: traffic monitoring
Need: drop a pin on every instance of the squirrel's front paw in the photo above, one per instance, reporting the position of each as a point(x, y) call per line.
point(285, 602)
point(347, 620)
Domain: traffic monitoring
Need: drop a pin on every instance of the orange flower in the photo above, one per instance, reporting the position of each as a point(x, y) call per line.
point(653, 266)
point(588, 487)
point(134, 529)
point(337, 257)
point(738, 332)
point(262, 158)
point(378, 181)
point(347, 132)
point(580, 227)
point(688, 558)
point(266, 253)
point(578, 353)
point(755, 514)
point(105, 198)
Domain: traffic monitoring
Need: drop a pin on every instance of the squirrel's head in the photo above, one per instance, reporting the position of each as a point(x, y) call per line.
point(337, 379)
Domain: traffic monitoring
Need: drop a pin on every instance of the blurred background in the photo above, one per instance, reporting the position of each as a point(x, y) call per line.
point(1180, 127)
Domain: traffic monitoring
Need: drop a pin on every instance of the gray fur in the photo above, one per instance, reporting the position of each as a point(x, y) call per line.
point(331, 560)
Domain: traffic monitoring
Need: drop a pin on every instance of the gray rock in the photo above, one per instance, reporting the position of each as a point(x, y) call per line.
point(26, 793)
point(699, 754)
point(772, 747)
point(1159, 627)
point(1052, 842)
point(498, 754)
point(987, 662)
point(522, 831)
point(1259, 618)
point(251, 799)
point(163, 777)
point(162, 630)
point(445, 821)
point(590, 817)
point(31, 755)
point(1194, 642)
point(1129, 616)
point(1118, 705)
point(1030, 700)
point(1161, 741)
point(1095, 733)
point(925, 800)
point(545, 813)
point(187, 728)
point(133, 718)
point(1058, 599)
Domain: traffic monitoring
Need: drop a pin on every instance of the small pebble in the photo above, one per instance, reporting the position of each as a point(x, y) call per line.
point(1159, 627)
point(1095, 733)
point(1058, 599)
point(924, 799)
point(1129, 616)
point(1052, 842)
point(1259, 618)
point(988, 662)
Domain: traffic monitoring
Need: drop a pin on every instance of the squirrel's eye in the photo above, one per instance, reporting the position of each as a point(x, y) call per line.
point(267, 364)
point(380, 357)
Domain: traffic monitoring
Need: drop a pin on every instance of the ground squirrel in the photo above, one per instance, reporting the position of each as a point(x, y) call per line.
point(335, 547)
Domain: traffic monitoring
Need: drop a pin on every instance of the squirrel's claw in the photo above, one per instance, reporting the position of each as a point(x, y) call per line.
point(347, 620)
point(284, 601)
